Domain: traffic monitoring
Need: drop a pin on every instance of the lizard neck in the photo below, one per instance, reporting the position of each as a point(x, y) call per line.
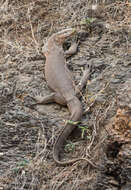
point(52, 47)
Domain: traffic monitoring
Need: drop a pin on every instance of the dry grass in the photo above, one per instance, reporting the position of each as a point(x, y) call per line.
point(24, 27)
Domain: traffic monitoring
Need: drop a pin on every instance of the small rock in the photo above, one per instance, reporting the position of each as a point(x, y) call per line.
point(1, 154)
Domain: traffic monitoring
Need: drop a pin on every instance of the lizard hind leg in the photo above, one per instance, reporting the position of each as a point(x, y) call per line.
point(60, 99)
point(53, 97)
point(46, 99)
point(75, 108)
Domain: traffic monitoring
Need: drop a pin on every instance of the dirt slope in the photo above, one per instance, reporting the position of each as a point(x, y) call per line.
point(27, 135)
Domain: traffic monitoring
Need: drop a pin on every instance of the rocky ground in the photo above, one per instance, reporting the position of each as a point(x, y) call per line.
point(27, 135)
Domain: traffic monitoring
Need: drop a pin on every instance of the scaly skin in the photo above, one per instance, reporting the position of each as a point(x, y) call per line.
point(59, 80)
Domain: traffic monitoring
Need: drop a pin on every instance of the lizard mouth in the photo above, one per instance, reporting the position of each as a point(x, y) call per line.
point(66, 33)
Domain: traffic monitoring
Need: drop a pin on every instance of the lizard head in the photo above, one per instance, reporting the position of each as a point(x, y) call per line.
point(57, 39)
point(61, 36)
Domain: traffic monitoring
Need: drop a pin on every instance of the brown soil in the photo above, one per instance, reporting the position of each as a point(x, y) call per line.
point(27, 135)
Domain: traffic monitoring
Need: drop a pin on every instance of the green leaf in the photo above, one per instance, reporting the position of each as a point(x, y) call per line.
point(22, 163)
point(83, 127)
point(69, 147)
point(87, 21)
point(72, 122)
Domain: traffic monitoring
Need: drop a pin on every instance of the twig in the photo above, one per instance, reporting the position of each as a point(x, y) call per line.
point(33, 35)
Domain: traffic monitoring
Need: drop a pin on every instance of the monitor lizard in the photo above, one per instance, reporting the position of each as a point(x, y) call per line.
point(59, 79)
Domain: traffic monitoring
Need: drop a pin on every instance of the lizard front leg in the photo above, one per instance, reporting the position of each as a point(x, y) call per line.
point(86, 75)
point(72, 50)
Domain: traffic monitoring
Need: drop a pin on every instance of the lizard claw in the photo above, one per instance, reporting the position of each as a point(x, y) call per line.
point(38, 99)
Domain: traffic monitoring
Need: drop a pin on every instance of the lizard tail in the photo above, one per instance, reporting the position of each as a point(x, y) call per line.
point(76, 111)
point(58, 145)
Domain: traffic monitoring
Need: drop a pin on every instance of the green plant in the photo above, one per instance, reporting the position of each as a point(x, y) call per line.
point(21, 165)
point(69, 147)
point(72, 122)
point(84, 129)
point(87, 21)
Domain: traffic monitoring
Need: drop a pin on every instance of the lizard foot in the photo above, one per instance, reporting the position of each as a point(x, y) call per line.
point(44, 100)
